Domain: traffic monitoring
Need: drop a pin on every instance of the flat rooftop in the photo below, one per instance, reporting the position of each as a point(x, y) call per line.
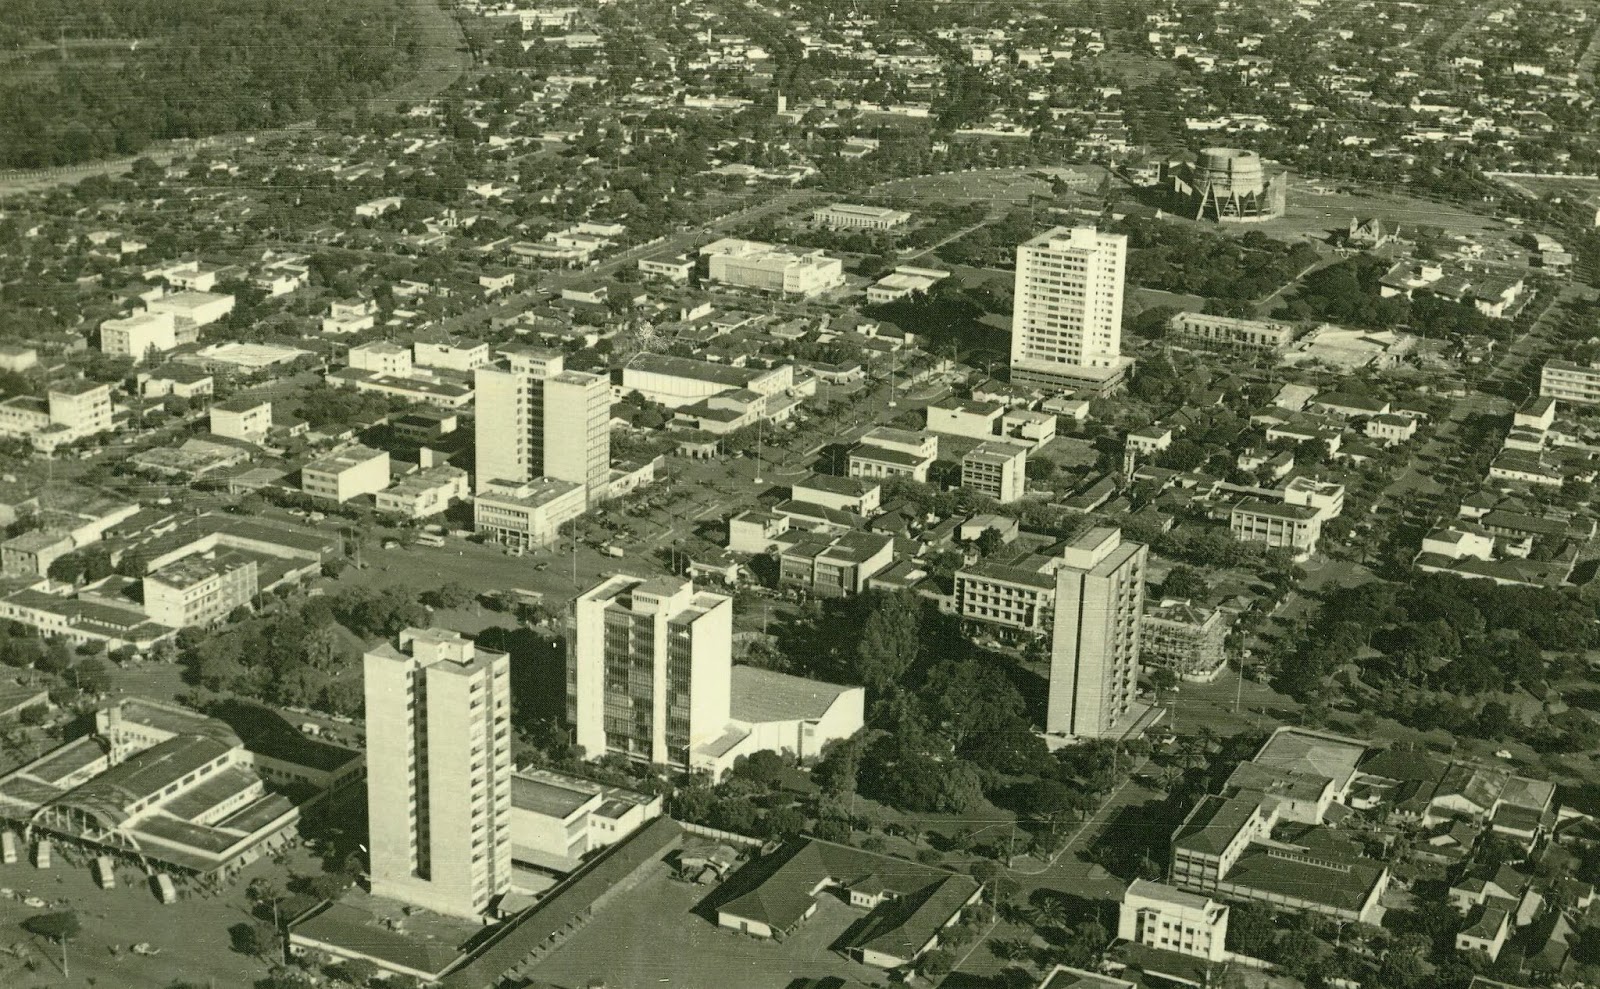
point(548, 798)
point(1312, 753)
point(388, 931)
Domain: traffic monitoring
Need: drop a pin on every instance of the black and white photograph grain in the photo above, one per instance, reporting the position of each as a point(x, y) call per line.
point(799, 494)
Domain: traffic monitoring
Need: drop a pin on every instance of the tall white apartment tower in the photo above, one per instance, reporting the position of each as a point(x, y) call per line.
point(536, 419)
point(1094, 654)
point(1066, 321)
point(439, 771)
point(650, 669)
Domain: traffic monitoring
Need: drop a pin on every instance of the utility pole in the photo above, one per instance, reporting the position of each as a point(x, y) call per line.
point(759, 424)
point(1238, 691)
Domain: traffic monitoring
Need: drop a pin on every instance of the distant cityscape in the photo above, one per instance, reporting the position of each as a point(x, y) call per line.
point(809, 496)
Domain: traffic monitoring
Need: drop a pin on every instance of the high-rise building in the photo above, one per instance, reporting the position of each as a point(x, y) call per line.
point(439, 771)
point(536, 419)
point(650, 669)
point(1066, 323)
point(1094, 656)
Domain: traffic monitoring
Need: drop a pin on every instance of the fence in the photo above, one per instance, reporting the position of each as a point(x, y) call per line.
point(720, 835)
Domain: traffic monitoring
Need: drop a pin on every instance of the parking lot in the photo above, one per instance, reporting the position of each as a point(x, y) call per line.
point(190, 936)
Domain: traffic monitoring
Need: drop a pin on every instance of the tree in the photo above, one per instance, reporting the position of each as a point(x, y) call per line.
point(357, 971)
point(258, 938)
point(451, 595)
point(837, 771)
point(94, 675)
point(1185, 582)
point(1251, 930)
point(936, 964)
point(761, 768)
point(1049, 911)
point(58, 927)
point(1162, 679)
point(57, 657)
point(784, 822)
point(889, 642)
point(1053, 800)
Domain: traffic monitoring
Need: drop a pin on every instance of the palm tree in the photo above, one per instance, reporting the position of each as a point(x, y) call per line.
point(1168, 778)
point(1050, 912)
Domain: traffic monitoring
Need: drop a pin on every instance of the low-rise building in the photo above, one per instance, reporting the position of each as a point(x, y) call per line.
point(998, 470)
point(191, 310)
point(139, 336)
point(381, 357)
point(349, 473)
point(852, 216)
point(452, 354)
point(17, 358)
point(350, 316)
point(1147, 441)
point(670, 267)
point(200, 590)
point(558, 819)
point(772, 268)
point(911, 904)
point(1034, 429)
point(903, 282)
point(175, 380)
point(1293, 527)
point(419, 386)
point(163, 786)
point(975, 420)
point(1231, 333)
point(526, 515)
point(679, 381)
point(71, 411)
point(876, 462)
point(1570, 382)
point(1169, 919)
point(1390, 429)
point(1324, 496)
point(1015, 596)
point(242, 418)
point(834, 566)
point(1486, 932)
point(849, 494)
point(427, 492)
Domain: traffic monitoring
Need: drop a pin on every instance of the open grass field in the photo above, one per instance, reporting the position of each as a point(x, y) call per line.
point(1013, 185)
point(1315, 210)
point(1544, 185)
point(652, 937)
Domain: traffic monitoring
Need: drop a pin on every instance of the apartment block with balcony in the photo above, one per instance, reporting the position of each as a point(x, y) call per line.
point(1094, 655)
point(1570, 382)
point(439, 774)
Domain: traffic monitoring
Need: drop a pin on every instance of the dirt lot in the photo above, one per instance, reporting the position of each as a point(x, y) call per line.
point(192, 934)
